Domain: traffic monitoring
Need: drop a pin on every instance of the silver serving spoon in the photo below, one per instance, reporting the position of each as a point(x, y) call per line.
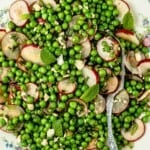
point(111, 140)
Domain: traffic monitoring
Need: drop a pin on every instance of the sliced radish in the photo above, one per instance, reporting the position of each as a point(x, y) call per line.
point(144, 66)
point(122, 6)
point(21, 64)
point(65, 86)
point(131, 62)
point(82, 112)
point(146, 41)
point(32, 90)
point(135, 132)
point(100, 104)
point(92, 145)
point(74, 20)
point(12, 43)
point(12, 111)
point(9, 112)
point(86, 48)
point(41, 21)
point(3, 72)
point(121, 102)
point(32, 53)
point(146, 94)
point(17, 11)
point(134, 77)
point(128, 35)
point(139, 56)
point(111, 85)
point(2, 33)
point(114, 48)
point(90, 75)
point(148, 104)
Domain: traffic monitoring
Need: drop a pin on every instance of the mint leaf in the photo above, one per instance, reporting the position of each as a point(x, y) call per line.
point(25, 16)
point(128, 21)
point(133, 128)
point(57, 126)
point(47, 57)
point(91, 93)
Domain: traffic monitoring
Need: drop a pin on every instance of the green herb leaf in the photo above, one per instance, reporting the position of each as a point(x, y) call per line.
point(133, 128)
point(128, 21)
point(25, 16)
point(57, 126)
point(47, 57)
point(91, 93)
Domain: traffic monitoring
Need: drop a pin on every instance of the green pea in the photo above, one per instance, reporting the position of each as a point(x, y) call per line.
point(2, 122)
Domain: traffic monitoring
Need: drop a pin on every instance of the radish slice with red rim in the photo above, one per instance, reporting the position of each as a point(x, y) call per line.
point(86, 48)
point(134, 77)
point(131, 62)
point(21, 64)
point(100, 104)
point(32, 90)
point(19, 12)
point(144, 67)
point(32, 53)
point(146, 95)
point(9, 112)
point(90, 75)
point(65, 86)
point(146, 41)
point(128, 35)
point(136, 131)
point(108, 48)
point(120, 102)
point(2, 33)
point(111, 86)
point(12, 43)
point(82, 103)
point(74, 20)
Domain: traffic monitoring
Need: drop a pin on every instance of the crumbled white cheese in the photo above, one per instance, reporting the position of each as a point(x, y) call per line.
point(79, 64)
point(30, 106)
point(60, 60)
point(44, 142)
point(50, 132)
point(36, 7)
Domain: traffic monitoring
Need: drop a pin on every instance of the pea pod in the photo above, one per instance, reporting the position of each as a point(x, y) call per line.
point(91, 93)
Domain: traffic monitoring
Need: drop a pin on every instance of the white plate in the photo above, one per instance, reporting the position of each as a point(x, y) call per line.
point(142, 17)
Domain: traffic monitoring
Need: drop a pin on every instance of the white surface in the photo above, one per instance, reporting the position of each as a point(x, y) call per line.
point(141, 9)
